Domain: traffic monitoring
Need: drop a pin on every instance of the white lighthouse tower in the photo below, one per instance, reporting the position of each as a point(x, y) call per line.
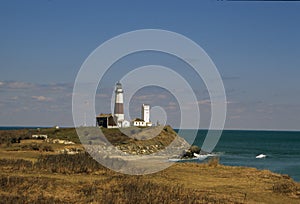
point(119, 107)
point(146, 113)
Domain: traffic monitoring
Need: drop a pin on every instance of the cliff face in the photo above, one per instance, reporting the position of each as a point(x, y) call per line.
point(135, 150)
point(133, 140)
point(151, 140)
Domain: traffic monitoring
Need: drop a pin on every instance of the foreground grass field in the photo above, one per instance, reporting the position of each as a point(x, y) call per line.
point(79, 179)
point(40, 176)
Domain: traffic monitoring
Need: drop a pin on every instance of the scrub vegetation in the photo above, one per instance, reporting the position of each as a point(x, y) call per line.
point(29, 175)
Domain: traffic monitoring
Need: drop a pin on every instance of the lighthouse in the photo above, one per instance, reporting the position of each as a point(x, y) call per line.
point(146, 113)
point(119, 108)
point(117, 120)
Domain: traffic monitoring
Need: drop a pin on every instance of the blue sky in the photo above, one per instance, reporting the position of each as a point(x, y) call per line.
point(255, 46)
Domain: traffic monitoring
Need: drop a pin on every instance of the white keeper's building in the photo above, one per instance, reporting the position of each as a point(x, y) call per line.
point(145, 121)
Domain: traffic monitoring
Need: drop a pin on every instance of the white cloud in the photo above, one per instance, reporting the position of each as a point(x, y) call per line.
point(54, 87)
point(171, 103)
point(103, 95)
point(162, 96)
point(208, 102)
point(204, 102)
point(14, 98)
point(19, 85)
point(144, 97)
point(230, 102)
point(171, 107)
point(42, 98)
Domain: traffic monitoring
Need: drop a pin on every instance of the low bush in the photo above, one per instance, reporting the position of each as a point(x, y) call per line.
point(68, 164)
point(15, 164)
point(284, 187)
point(213, 162)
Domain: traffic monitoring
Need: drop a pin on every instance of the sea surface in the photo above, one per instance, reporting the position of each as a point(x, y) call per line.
point(240, 148)
point(19, 127)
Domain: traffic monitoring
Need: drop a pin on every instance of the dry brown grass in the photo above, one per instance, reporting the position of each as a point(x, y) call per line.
point(7, 137)
point(47, 177)
point(213, 161)
point(79, 179)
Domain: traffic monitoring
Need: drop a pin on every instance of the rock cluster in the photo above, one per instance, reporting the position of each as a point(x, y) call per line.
point(166, 143)
point(73, 150)
point(190, 152)
point(139, 149)
point(59, 141)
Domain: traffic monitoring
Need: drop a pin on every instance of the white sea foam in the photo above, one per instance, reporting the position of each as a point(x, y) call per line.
point(260, 156)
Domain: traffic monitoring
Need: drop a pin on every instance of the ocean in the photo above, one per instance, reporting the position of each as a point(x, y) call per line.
point(239, 148)
point(19, 127)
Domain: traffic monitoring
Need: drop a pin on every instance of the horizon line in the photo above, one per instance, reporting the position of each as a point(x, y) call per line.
point(176, 128)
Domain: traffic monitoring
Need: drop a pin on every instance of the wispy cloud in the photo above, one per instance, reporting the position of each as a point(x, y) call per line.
point(14, 98)
point(42, 98)
point(208, 102)
point(204, 102)
point(15, 85)
point(26, 103)
point(144, 97)
point(11, 85)
point(31, 100)
point(103, 95)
